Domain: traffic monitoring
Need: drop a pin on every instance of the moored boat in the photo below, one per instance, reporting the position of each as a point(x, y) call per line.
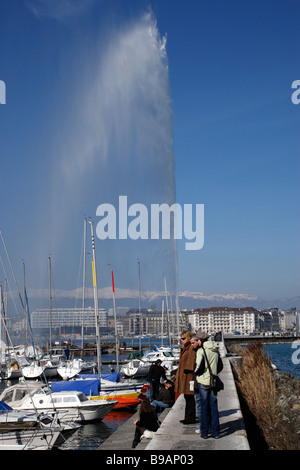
point(21, 430)
point(69, 405)
point(139, 367)
point(127, 394)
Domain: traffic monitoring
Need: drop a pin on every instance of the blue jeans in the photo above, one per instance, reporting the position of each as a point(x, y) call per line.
point(209, 412)
point(159, 404)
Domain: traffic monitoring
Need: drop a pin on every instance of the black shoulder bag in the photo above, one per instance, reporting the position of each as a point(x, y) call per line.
point(216, 383)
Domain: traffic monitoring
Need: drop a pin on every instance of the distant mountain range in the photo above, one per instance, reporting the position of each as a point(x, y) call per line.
point(129, 298)
point(197, 300)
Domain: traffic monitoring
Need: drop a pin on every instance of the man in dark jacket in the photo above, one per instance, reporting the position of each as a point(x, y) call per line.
point(155, 374)
point(164, 397)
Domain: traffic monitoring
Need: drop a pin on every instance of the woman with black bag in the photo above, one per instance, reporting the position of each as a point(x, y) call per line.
point(208, 366)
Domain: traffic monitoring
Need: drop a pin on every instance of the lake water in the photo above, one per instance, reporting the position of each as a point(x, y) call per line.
point(286, 356)
point(90, 436)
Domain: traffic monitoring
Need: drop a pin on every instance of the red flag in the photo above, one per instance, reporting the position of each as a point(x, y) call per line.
point(113, 284)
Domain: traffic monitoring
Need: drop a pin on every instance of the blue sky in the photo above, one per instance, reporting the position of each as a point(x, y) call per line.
point(235, 137)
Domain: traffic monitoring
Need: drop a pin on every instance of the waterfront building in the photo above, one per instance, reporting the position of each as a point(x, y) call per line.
point(149, 322)
point(269, 320)
point(120, 326)
point(136, 323)
point(68, 319)
point(290, 320)
point(228, 319)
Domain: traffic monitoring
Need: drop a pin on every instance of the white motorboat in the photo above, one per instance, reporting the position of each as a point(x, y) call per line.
point(36, 439)
point(164, 354)
point(69, 405)
point(21, 430)
point(140, 367)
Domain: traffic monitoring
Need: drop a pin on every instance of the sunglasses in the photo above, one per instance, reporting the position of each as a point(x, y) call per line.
point(182, 339)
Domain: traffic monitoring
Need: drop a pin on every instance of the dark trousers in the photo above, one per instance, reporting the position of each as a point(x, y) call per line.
point(190, 409)
point(154, 389)
point(139, 431)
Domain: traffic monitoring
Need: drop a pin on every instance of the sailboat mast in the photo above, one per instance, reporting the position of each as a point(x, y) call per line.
point(168, 312)
point(2, 353)
point(50, 308)
point(28, 328)
point(25, 309)
point(140, 315)
point(83, 285)
point(162, 321)
point(115, 320)
point(96, 303)
point(2, 319)
point(4, 309)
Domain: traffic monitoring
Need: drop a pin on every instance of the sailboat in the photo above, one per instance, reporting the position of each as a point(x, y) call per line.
point(71, 368)
point(43, 367)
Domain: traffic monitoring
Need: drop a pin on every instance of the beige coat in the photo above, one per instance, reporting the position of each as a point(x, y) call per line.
point(212, 353)
point(187, 361)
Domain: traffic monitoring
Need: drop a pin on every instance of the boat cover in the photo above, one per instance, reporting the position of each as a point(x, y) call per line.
point(4, 406)
point(89, 386)
point(113, 376)
point(136, 355)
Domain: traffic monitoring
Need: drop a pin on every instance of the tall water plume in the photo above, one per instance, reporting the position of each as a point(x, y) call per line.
point(116, 139)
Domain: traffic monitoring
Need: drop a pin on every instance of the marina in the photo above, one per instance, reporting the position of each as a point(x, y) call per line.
point(123, 395)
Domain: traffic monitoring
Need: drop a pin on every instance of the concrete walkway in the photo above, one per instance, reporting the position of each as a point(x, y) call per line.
point(173, 435)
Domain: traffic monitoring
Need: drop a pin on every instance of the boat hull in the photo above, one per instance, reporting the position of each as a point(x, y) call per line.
point(78, 414)
point(39, 439)
point(136, 368)
point(124, 402)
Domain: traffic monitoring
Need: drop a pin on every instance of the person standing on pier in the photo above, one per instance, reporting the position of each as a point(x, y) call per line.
point(208, 352)
point(155, 375)
point(185, 377)
point(196, 346)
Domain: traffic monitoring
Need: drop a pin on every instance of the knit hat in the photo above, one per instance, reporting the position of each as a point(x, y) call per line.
point(202, 336)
